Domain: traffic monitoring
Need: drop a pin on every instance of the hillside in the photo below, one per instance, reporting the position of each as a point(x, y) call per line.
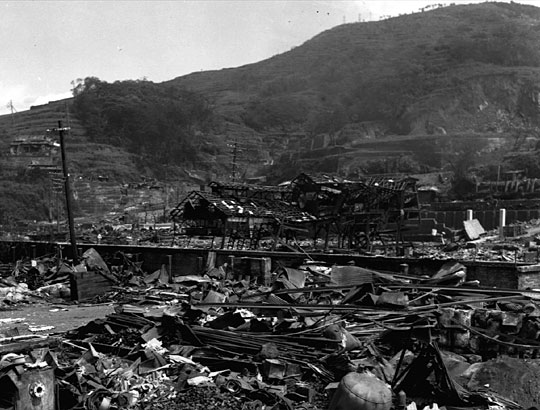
point(400, 71)
point(106, 179)
point(452, 89)
point(459, 69)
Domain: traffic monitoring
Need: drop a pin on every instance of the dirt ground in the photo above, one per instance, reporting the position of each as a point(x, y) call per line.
point(28, 318)
point(516, 379)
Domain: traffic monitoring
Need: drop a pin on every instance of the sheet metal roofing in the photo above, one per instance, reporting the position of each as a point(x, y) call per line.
point(278, 210)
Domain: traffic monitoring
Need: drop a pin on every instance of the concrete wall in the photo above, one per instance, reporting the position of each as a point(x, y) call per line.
point(193, 261)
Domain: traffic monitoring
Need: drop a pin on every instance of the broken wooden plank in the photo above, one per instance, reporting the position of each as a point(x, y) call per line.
point(17, 345)
point(87, 285)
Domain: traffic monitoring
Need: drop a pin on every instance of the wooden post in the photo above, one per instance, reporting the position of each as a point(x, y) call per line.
point(326, 236)
point(170, 268)
point(224, 234)
point(277, 236)
point(68, 194)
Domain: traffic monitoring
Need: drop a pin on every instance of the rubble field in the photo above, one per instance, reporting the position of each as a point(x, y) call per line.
point(310, 337)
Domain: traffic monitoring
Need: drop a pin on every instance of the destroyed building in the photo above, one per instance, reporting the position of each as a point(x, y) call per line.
point(349, 213)
point(33, 152)
point(245, 221)
point(33, 145)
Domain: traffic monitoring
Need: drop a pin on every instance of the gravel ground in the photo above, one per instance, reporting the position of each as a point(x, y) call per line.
point(63, 317)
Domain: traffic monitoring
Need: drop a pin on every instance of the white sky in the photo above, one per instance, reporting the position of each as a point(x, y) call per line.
point(47, 44)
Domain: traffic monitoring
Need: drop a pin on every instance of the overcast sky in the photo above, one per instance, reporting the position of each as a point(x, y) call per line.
point(48, 44)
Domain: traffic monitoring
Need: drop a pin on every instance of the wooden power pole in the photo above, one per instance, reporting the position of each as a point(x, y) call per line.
point(68, 194)
point(13, 110)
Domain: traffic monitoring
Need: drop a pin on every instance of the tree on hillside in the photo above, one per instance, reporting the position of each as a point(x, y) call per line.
point(284, 112)
point(152, 120)
point(506, 45)
point(461, 155)
point(87, 105)
point(328, 121)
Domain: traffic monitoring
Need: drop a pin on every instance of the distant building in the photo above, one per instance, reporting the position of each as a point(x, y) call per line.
point(34, 145)
point(33, 151)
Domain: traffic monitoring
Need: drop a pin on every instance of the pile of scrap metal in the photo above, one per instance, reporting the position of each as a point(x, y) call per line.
point(341, 213)
point(33, 280)
point(50, 277)
point(313, 337)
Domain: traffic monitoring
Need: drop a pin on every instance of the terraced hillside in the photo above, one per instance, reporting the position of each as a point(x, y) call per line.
point(107, 181)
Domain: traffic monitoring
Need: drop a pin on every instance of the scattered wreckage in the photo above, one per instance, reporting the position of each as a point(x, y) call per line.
point(307, 337)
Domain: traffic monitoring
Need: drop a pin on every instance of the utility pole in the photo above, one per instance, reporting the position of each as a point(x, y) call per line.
point(13, 110)
point(68, 193)
point(234, 156)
